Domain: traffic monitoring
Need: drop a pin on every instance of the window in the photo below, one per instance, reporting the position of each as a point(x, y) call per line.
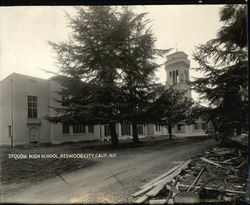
point(9, 131)
point(106, 130)
point(79, 128)
point(91, 129)
point(65, 128)
point(179, 127)
point(196, 126)
point(203, 126)
point(32, 106)
point(157, 128)
point(173, 77)
point(177, 77)
point(125, 129)
point(140, 129)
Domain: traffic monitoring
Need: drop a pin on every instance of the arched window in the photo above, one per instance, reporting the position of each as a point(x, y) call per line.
point(173, 77)
point(177, 76)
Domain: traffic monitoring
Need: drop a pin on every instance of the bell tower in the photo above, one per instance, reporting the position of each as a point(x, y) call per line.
point(177, 72)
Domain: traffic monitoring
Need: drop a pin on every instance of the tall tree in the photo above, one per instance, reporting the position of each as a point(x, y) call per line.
point(138, 71)
point(90, 57)
point(223, 60)
point(171, 108)
point(110, 55)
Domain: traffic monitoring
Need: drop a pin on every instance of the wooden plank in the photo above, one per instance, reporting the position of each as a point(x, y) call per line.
point(171, 192)
point(215, 188)
point(157, 201)
point(160, 177)
point(197, 178)
point(210, 162)
point(142, 191)
point(228, 160)
point(155, 188)
point(153, 192)
point(141, 199)
point(241, 164)
point(168, 178)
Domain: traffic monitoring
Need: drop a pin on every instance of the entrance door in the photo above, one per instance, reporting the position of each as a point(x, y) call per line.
point(34, 135)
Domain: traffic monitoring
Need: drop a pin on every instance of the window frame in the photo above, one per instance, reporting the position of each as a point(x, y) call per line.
point(65, 128)
point(32, 103)
point(125, 129)
point(140, 129)
point(90, 128)
point(79, 129)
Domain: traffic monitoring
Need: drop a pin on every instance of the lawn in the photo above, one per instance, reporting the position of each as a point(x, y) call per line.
point(35, 170)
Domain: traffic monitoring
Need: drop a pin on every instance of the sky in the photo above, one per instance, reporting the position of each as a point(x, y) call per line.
point(25, 32)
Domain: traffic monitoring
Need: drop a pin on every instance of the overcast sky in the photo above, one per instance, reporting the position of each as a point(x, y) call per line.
point(24, 32)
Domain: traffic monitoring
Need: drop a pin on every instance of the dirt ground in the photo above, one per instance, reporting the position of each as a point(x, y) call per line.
point(98, 180)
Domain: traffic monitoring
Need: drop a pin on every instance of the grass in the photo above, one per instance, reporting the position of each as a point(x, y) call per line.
point(35, 170)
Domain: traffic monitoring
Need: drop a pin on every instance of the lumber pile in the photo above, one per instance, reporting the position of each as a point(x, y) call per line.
point(217, 175)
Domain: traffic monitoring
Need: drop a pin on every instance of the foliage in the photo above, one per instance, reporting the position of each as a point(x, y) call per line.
point(173, 107)
point(106, 68)
point(223, 60)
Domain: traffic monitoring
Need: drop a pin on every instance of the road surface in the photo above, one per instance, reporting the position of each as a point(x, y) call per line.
point(111, 181)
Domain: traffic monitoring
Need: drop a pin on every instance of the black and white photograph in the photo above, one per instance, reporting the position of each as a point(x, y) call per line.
point(124, 104)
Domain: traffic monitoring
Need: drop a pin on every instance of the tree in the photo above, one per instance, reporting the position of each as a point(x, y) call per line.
point(171, 108)
point(90, 57)
point(223, 60)
point(110, 55)
point(138, 67)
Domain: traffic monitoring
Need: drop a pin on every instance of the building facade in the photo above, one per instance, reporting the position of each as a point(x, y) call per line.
point(25, 101)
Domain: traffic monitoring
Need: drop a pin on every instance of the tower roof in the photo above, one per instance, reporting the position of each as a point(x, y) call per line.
point(177, 55)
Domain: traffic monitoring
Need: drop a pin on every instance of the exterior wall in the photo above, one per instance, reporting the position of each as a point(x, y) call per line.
point(150, 129)
point(5, 109)
point(57, 135)
point(22, 86)
point(60, 137)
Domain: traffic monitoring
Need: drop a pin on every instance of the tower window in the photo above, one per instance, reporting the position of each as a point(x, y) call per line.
point(177, 77)
point(173, 77)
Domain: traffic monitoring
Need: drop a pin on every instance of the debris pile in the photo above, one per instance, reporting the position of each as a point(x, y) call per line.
point(217, 175)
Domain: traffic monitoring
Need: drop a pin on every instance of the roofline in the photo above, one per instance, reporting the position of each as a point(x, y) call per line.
point(20, 74)
point(177, 52)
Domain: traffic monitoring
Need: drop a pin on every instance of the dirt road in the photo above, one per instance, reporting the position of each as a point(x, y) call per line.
point(112, 180)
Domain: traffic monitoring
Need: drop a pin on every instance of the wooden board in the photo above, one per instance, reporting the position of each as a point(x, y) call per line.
point(141, 199)
point(142, 191)
point(153, 192)
point(158, 201)
point(160, 177)
point(168, 178)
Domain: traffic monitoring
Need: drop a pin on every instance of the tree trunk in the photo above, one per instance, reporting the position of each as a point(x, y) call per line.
point(135, 133)
point(113, 134)
point(170, 131)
